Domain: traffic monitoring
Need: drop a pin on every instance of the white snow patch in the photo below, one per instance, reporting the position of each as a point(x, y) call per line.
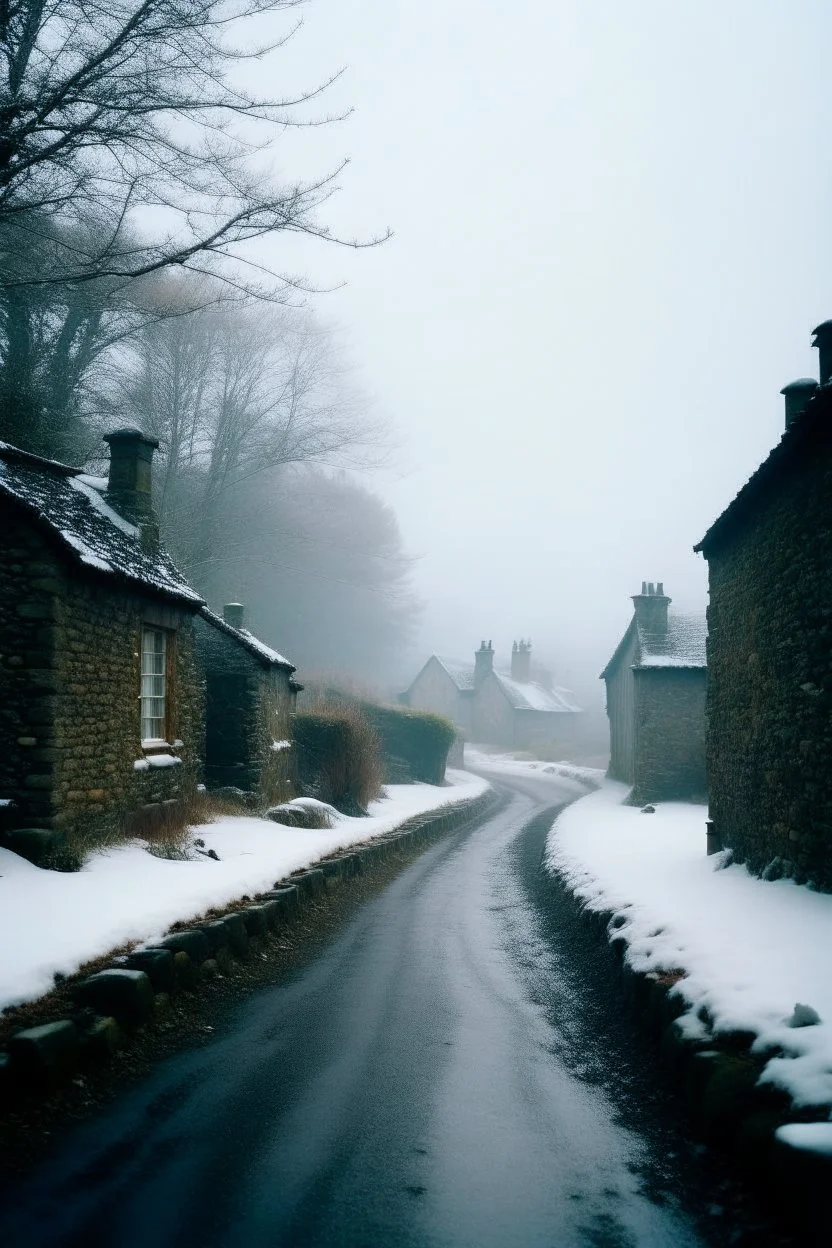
point(141, 764)
point(750, 949)
point(277, 746)
point(814, 1137)
point(52, 921)
point(262, 648)
point(88, 556)
point(104, 508)
point(161, 760)
point(96, 483)
point(506, 764)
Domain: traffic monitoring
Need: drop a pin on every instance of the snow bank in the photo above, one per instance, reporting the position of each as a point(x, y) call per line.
point(750, 949)
point(52, 922)
point(479, 757)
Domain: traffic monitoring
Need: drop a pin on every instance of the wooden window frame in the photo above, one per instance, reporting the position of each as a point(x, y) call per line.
point(162, 742)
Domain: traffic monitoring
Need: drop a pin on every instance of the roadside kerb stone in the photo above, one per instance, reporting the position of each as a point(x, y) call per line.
point(45, 1052)
point(185, 969)
point(126, 995)
point(235, 929)
point(157, 965)
point(310, 883)
point(194, 942)
point(256, 919)
point(216, 935)
point(288, 899)
point(101, 1038)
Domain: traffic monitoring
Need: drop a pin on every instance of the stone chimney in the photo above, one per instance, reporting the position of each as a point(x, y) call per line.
point(797, 394)
point(130, 485)
point(823, 342)
point(483, 662)
point(233, 613)
point(651, 607)
point(521, 661)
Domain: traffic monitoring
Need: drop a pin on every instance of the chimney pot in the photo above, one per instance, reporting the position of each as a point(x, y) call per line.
point(483, 663)
point(521, 658)
point(651, 607)
point(233, 613)
point(797, 394)
point(822, 335)
point(130, 479)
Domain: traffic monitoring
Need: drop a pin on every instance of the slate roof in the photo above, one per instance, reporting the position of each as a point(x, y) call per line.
point(90, 532)
point(799, 441)
point(529, 696)
point(682, 646)
point(462, 674)
point(262, 652)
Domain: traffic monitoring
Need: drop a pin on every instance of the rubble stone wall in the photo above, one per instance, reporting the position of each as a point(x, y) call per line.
point(770, 682)
point(669, 745)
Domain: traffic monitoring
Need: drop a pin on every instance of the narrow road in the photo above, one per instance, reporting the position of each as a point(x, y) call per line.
point(444, 1075)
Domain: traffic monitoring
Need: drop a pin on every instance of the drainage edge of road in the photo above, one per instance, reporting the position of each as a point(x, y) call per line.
point(716, 1081)
point(96, 1015)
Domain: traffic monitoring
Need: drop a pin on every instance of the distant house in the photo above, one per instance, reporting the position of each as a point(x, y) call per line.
point(656, 701)
point(770, 648)
point(493, 707)
point(102, 716)
point(250, 698)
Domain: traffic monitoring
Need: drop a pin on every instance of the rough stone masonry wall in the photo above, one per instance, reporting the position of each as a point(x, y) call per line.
point(71, 729)
point(248, 710)
point(98, 790)
point(669, 734)
point(770, 679)
point(29, 576)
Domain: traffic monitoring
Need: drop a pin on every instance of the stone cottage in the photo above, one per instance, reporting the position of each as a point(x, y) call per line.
point(656, 701)
point(102, 714)
point(105, 653)
point(770, 648)
point(493, 707)
point(250, 698)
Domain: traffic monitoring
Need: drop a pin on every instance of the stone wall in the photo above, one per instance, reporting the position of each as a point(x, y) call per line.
point(770, 678)
point(669, 747)
point(248, 714)
point(71, 732)
point(493, 715)
point(621, 702)
point(434, 690)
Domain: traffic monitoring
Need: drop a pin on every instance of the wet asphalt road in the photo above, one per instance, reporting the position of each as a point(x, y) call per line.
point(445, 1074)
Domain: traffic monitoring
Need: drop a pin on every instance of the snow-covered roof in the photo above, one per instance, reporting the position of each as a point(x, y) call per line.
point(529, 696)
point(267, 656)
point(462, 674)
point(90, 531)
point(683, 645)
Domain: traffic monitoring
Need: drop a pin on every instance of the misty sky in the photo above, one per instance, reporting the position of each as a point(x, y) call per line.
point(612, 239)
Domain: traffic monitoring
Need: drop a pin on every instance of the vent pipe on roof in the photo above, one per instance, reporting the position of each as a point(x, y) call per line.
point(823, 341)
point(233, 613)
point(797, 394)
point(130, 480)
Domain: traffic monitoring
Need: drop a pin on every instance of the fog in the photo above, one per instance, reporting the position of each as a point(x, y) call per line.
point(611, 242)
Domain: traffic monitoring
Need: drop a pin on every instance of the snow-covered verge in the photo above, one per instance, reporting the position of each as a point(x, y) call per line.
point(52, 922)
point(507, 764)
point(750, 949)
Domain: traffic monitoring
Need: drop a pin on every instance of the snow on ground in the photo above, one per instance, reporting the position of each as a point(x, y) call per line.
point(751, 949)
point(51, 921)
point(481, 758)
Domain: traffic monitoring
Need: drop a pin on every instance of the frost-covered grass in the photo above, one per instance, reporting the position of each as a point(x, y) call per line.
point(750, 949)
point(53, 923)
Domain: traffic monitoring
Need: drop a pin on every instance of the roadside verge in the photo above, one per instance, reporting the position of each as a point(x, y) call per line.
point(727, 972)
point(91, 1015)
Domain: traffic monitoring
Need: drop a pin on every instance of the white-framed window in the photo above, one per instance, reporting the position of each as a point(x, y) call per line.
point(154, 684)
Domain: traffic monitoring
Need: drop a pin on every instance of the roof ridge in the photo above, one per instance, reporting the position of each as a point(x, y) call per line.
point(9, 451)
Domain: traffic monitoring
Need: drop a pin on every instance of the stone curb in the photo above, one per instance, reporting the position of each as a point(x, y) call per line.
point(115, 1001)
point(716, 1079)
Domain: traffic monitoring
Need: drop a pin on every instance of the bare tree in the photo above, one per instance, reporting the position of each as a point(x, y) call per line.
point(108, 107)
point(231, 394)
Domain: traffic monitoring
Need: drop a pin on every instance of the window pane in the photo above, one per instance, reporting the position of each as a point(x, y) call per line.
point(153, 684)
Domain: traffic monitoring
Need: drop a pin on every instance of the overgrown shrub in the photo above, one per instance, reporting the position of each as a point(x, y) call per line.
point(338, 756)
point(413, 743)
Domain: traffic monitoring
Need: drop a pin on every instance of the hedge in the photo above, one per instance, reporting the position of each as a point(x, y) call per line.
point(337, 755)
point(414, 744)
